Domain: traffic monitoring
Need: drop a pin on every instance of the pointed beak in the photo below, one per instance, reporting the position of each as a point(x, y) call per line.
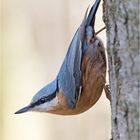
point(23, 110)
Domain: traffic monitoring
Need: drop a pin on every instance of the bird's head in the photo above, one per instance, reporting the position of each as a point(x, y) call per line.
point(43, 101)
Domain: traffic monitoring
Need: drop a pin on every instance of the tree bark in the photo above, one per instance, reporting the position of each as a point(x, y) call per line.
point(122, 23)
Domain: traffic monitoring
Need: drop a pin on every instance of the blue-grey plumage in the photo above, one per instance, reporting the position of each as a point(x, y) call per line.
point(69, 77)
point(70, 86)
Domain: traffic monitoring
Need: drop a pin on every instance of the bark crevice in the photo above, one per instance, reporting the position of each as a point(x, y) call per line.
point(121, 20)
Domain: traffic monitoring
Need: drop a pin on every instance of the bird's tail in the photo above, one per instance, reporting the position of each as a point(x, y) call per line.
point(89, 20)
point(91, 16)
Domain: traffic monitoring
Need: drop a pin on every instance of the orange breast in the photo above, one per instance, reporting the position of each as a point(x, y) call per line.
point(93, 81)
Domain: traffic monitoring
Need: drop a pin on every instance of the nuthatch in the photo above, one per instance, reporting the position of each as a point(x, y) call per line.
point(81, 78)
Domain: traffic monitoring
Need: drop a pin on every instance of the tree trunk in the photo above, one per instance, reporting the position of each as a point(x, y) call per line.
point(122, 23)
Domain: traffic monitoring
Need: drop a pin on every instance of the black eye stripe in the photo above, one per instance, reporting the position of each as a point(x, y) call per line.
point(44, 99)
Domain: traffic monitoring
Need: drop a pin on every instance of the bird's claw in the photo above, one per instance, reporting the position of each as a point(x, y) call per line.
point(107, 92)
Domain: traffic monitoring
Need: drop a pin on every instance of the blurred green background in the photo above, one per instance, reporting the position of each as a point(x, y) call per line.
point(35, 35)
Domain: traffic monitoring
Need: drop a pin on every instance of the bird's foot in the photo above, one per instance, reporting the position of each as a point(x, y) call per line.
point(107, 92)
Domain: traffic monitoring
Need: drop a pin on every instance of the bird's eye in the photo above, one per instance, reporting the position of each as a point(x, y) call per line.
point(42, 100)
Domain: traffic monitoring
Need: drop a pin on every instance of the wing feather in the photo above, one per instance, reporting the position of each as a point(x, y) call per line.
point(70, 75)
